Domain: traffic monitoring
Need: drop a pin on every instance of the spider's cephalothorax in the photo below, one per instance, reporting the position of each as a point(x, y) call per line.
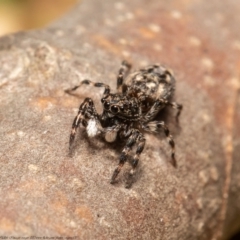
point(129, 112)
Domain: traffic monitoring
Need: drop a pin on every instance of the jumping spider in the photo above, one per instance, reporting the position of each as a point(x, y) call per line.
point(140, 96)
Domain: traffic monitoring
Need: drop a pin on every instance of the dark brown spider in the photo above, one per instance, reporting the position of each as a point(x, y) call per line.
point(139, 98)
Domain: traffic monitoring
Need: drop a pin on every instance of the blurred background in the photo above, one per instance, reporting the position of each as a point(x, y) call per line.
point(17, 15)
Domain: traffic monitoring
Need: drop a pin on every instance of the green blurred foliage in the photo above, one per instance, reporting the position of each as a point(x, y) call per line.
point(17, 15)
point(7, 2)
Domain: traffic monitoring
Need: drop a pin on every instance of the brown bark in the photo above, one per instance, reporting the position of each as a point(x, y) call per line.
point(44, 192)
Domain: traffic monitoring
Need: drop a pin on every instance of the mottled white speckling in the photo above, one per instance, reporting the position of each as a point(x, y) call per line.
point(52, 178)
point(235, 82)
point(194, 41)
point(154, 27)
point(123, 41)
point(92, 128)
point(72, 224)
point(157, 47)
point(236, 44)
point(33, 168)
point(214, 173)
point(143, 63)
point(199, 203)
point(176, 14)
point(203, 177)
point(103, 222)
point(125, 53)
point(206, 117)
point(151, 84)
point(59, 33)
point(139, 78)
point(153, 193)
point(133, 194)
point(20, 133)
point(200, 226)
point(119, 5)
point(129, 15)
point(47, 118)
point(21, 63)
point(77, 183)
point(207, 62)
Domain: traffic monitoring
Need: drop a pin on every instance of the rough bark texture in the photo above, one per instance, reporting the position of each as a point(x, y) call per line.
point(44, 192)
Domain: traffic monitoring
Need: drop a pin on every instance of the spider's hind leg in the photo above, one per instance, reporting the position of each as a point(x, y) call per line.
point(177, 106)
point(154, 126)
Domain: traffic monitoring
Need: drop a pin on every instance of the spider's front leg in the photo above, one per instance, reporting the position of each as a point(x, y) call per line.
point(153, 127)
point(160, 104)
point(154, 110)
point(88, 116)
point(123, 72)
point(135, 136)
point(94, 84)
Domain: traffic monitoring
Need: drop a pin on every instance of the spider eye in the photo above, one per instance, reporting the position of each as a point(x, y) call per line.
point(114, 109)
point(106, 105)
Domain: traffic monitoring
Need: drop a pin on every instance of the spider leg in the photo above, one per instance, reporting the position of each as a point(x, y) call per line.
point(111, 132)
point(133, 136)
point(165, 73)
point(123, 71)
point(88, 82)
point(158, 105)
point(154, 126)
point(140, 146)
point(177, 106)
point(86, 113)
point(154, 110)
point(168, 77)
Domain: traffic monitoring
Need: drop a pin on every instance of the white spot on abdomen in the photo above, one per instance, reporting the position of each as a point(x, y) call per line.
point(151, 85)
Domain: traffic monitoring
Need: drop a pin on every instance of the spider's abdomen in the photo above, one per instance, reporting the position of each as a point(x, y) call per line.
point(149, 84)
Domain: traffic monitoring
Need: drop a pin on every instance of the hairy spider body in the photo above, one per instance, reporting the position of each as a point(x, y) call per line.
point(129, 112)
